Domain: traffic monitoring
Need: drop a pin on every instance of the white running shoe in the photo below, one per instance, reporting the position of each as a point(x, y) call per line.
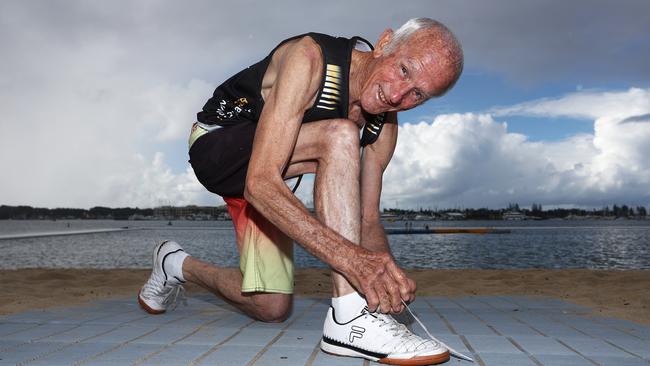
point(163, 287)
point(379, 337)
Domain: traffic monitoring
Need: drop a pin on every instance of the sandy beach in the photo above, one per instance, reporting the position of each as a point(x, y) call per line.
point(621, 294)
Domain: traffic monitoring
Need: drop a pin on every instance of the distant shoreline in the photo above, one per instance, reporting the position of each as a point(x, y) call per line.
point(206, 213)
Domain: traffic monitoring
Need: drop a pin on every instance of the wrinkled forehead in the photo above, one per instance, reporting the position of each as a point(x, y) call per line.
point(434, 60)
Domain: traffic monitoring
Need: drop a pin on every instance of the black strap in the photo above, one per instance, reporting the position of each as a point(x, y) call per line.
point(295, 188)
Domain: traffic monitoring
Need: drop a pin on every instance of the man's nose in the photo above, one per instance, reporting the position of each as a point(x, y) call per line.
point(398, 92)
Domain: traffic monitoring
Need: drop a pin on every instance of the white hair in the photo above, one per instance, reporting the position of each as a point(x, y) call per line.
point(408, 29)
point(450, 43)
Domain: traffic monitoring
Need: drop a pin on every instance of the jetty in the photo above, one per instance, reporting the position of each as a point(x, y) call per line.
point(446, 230)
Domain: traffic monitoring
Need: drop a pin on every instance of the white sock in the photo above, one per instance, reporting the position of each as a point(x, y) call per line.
point(348, 306)
point(174, 265)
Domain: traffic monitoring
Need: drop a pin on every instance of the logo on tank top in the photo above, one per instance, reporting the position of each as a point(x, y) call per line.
point(231, 109)
point(331, 93)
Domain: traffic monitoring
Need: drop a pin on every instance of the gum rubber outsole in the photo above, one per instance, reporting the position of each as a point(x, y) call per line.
point(414, 361)
point(417, 361)
point(146, 307)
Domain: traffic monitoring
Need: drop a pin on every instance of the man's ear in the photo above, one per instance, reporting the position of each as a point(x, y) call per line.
point(383, 41)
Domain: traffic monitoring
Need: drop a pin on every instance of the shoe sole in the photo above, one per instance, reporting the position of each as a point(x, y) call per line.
point(414, 361)
point(147, 308)
point(143, 304)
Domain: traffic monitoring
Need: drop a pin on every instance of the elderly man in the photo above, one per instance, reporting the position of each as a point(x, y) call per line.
point(299, 111)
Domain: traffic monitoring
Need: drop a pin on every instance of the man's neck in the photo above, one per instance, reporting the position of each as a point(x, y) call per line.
point(359, 70)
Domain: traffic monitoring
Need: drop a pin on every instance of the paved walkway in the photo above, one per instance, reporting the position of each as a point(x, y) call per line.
point(495, 330)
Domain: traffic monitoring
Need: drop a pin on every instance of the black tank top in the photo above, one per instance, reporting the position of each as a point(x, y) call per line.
point(239, 98)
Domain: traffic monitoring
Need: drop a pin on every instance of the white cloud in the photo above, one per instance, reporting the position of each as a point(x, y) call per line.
point(472, 160)
point(92, 92)
point(584, 104)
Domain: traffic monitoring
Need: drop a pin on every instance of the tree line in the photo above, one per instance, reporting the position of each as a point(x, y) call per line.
point(99, 212)
point(535, 211)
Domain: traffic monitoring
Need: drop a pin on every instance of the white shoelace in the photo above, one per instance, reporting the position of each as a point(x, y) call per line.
point(451, 350)
point(171, 294)
point(410, 341)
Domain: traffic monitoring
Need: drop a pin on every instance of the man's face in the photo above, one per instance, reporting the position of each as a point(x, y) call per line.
point(406, 78)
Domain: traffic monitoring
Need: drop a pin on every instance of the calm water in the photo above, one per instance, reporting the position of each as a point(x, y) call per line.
point(621, 244)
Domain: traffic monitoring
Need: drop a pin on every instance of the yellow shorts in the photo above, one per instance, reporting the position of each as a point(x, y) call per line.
point(266, 253)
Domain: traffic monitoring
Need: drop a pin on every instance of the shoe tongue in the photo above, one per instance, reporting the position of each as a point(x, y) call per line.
point(349, 306)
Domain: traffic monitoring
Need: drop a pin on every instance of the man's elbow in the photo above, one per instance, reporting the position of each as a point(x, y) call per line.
point(253, 189)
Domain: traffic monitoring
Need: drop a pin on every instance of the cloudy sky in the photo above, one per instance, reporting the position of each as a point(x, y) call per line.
point(97, 98)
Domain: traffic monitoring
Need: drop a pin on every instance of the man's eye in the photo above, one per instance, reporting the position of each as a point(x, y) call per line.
point(404, 71)
point(418, 94)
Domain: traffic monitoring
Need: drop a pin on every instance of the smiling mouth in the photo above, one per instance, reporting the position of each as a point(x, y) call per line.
point(381, 95)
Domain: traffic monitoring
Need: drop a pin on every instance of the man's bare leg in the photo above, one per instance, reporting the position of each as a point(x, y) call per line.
point(226, 283)
point(331, 150)
point(337, 198)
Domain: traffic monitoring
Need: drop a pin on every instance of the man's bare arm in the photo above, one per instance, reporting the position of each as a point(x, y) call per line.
point(375, 160)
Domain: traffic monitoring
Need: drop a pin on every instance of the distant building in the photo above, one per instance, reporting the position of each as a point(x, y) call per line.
point(453, 216)
point(514, 215)
point(190, 213)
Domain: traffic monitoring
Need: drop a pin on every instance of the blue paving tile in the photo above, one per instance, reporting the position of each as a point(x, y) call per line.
point(31, 317)
point(500, 303)
point(299, 338)
point(455, 342)
point(234, 355)
point(491, 344)
point(506, 359)
point(514, 329)
point(593, 347)
point(235, 321)
point(472, 303)
point(209, 335)
point(627, 327)
point(633, 345)
point(563, 360)
point(452, 314)
point(6, 344)
point(440, 303)
point(72, 354)
point(542, 345)
point(167, 334)
point(434, 324)
point(124, 333)
point(79, 333)
point(471, 326)
point(9, 328)
point(42, 331)
point(119, 318)
point(176, 355)
point(124, 355)
point(312, 319)
point(549, 327)
point(620, 361)
point(284, 356)
point(29, 351)
point(254, 337)
point(324, 359)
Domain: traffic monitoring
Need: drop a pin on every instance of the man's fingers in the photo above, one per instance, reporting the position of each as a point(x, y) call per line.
point(395, 296)
point(371, 298)
point(385, 303)
point(406, 285)
point(413, 286)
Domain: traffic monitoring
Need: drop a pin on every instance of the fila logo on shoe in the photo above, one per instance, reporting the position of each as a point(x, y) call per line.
point(356, 333)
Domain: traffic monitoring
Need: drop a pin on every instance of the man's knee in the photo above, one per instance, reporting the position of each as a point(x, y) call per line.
point(273, 308)
point(342, 135)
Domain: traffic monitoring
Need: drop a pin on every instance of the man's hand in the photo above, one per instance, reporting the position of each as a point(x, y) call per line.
point(384, 284)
